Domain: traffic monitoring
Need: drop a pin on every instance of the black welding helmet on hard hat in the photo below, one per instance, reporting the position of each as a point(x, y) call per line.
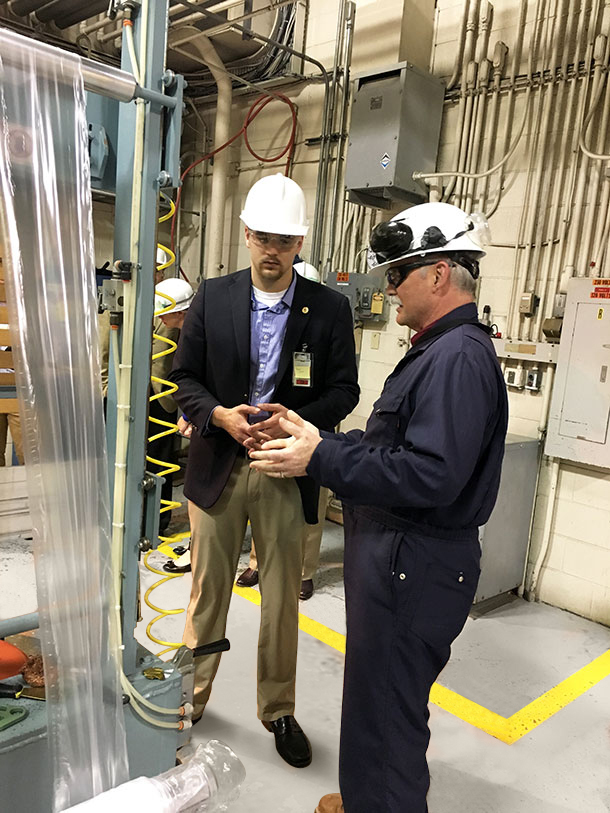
point(416, 234)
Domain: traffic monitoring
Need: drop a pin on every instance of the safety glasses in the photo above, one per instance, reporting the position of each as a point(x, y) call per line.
point(398, 273)
point(282, 242)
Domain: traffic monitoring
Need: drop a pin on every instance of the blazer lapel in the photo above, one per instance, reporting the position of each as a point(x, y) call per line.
point(239, 295)
point(299, 316)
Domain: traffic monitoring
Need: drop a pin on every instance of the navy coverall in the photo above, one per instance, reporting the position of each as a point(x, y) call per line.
point(415, 485)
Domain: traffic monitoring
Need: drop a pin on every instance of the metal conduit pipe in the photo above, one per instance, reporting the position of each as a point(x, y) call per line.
point(557, 177)
point(539, 132)
point(577, 207)
point(480, 102)
point(459, 54)
point(222, 133)
point(101, 23)
point(219, 29)
point(543, 177)
point(349, 18)
point(567, 168)
point(599, 80)
point(519, 266)
point(499, 61)
point(516, 63)
point(467, 86)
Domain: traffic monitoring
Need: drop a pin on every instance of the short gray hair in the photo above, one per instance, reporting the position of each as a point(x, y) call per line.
point(462, 279)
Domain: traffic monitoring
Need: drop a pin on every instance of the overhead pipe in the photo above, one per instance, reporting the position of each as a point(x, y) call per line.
point(221, 28)
point(220, 170)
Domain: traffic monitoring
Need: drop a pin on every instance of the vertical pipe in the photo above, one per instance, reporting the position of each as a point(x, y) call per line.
point(339, 193)
point(216, 219)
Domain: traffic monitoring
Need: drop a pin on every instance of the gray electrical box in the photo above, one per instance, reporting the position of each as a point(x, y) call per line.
point(394, 131)
point(365, 293)
point(579, 418)
point(103, 123)
point(505, 536)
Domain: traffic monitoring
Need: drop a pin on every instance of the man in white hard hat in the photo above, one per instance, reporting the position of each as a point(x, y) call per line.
point(173, 297)
point(416, 485)
point(255, 344)
point(312, 537)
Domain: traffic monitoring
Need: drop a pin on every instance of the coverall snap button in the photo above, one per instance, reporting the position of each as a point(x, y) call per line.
point(402, 577)
point(460, 578)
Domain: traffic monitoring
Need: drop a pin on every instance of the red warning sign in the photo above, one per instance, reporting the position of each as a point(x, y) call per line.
point(342, 277)
point(601, 293)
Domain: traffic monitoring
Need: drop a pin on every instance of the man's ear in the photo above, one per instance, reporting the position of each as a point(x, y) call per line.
point(442, 273)
point(247, 236)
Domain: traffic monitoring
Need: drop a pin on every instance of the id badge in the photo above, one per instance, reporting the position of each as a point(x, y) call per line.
point(302, 368)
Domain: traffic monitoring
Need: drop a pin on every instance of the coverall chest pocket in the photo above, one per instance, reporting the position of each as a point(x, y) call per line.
point(449, 578)
point(385, 427)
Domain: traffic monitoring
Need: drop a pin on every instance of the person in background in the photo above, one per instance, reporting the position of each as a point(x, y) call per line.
point(312, 535)
point(416, 485)
point(255, 344)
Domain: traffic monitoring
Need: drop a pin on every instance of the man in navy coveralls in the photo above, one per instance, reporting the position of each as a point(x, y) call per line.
point(416, 485)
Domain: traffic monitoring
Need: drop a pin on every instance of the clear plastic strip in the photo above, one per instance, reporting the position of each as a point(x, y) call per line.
point(46, 217)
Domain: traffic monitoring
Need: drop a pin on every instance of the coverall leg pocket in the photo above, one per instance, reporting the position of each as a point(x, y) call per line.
point(449, 583)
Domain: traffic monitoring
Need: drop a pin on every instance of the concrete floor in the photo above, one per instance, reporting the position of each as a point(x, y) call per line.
point(502, 661)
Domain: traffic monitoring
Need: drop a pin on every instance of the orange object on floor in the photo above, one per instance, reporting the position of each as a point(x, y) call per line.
point(12, 660)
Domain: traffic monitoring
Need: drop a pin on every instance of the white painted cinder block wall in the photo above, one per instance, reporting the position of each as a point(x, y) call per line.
point(576, 575)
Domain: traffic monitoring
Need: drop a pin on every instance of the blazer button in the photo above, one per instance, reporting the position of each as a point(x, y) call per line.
point(402, 577)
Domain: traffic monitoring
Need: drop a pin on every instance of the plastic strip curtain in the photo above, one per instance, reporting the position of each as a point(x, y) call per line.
point(46, 206)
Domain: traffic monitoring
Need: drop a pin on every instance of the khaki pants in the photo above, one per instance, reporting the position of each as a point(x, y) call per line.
point(312, 539)
point(274, 509)
point(10, 420)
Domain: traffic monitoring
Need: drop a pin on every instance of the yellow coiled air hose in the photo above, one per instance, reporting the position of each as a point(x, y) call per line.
point(165, 467)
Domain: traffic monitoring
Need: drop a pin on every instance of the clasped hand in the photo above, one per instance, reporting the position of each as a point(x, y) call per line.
point(287, 456)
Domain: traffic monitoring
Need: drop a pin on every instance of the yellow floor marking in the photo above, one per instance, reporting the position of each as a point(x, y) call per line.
point(507, 729)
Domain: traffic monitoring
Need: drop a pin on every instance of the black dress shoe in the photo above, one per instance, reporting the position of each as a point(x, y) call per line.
point(171, 567)
point(248, 578)
point(306, 589)
point(290, 741)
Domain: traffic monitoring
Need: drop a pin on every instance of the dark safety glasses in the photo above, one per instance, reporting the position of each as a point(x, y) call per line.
point(398, 273)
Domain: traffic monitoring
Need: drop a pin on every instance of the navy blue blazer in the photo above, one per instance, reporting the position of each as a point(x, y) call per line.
point(212, 367)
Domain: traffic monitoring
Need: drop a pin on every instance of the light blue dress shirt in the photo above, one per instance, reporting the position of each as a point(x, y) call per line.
point(267, 331)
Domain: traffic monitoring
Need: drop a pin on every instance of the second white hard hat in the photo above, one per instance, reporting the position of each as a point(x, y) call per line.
point(276, 204)
point(430, 228)
point(178, 289)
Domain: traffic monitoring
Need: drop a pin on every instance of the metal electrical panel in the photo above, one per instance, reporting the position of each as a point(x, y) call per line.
point(394, 131)
point(505, 536)
point(579, 418)
point(365, 293)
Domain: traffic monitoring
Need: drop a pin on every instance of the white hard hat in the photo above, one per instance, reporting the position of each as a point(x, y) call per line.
point(307, 270)
point(430, 228)
point(276, 204)
point(180, 292)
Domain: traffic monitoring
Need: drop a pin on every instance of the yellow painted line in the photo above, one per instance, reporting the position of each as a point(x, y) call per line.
point(507, 729)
